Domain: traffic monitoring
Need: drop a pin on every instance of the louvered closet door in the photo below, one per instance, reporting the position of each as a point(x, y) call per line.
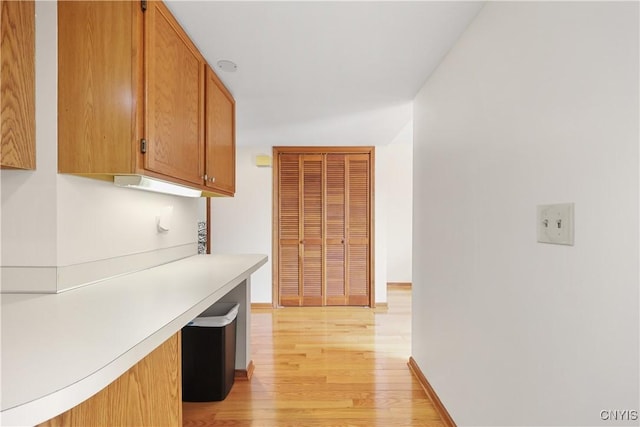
point(358, 228)
point(289, 230)
point(301, 229)
point(324, 240)
point(312, 229)
point(336, 215)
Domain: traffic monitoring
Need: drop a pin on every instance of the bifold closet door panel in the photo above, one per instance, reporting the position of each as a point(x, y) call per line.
point(336, 289)
point(358, 229)
point(289, 230)
point(312, 229)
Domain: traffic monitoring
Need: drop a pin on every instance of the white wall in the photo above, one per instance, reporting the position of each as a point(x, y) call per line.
point(536, 104)
point(381, 220)
point(59, 220)
point(97, 220)
point(397, 173)
point(243, 224)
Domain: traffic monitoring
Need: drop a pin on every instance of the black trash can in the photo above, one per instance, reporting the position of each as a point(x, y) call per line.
point(209, 354)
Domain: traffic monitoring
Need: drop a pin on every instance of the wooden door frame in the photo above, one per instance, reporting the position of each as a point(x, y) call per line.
point(370, 150)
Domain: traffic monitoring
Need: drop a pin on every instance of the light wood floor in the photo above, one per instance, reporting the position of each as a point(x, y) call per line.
point(326, 367)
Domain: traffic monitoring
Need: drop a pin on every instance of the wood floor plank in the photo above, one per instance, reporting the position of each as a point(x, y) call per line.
point(399, 395)
point(326, 366)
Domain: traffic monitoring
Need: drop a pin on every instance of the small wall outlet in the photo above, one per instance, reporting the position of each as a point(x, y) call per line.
point(555, 224)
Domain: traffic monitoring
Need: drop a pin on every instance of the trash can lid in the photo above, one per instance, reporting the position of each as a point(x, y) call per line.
point(207, 320)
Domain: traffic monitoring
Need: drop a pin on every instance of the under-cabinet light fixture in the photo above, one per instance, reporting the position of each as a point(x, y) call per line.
point(157, 186)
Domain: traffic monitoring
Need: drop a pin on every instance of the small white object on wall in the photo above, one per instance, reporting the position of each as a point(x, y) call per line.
point(263, 161)
point(555, 224)
point(164, 220)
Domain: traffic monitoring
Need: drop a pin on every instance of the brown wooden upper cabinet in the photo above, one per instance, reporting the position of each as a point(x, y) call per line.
point(17, 84)
point(131, 97)
point(219, 136)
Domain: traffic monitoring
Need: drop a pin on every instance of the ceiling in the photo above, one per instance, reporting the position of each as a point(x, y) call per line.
point(324, 73)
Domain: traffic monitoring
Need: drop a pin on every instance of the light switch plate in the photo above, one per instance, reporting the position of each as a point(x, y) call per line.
point(555, 224)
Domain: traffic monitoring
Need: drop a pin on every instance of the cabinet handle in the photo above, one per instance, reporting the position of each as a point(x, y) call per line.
point(205, 177)
point(212, 179)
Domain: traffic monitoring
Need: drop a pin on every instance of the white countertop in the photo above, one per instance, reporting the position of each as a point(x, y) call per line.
point(59, 349)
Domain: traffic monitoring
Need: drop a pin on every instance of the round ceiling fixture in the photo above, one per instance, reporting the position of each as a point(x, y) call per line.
point(226, 65)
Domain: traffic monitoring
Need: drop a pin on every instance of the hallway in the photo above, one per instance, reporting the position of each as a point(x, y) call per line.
point(326, 367)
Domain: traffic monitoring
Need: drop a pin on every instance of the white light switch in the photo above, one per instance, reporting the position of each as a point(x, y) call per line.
point(555, 224)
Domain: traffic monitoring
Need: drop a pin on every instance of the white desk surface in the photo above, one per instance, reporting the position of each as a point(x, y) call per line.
point(59, 349)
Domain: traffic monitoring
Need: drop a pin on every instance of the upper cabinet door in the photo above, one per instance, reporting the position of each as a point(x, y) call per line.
point(220, 136)
point(17, 84)
point(99, 92)
point(175, 98)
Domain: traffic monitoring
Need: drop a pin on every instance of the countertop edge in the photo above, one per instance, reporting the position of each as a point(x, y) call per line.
point(59, 401)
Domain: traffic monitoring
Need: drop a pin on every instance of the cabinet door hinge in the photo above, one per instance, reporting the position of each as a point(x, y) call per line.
point(143, 145)
point(143, 5)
